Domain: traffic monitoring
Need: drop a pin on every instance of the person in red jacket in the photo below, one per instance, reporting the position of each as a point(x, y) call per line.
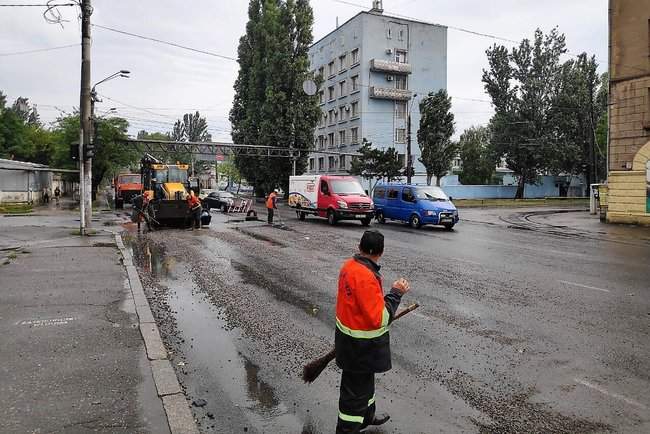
point(362, 343)
point(271, 204)
point(195, 207)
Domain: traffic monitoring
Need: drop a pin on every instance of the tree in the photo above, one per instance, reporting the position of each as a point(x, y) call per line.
point(195, 128)
point(270, 108)
point(109, 156)
point(374, 164)
point(524, 85)
point(434, 135)
point(477, 155)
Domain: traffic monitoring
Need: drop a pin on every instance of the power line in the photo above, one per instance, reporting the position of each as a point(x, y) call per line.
point(38, 50)
point(460, 29)
point(160, 41)
point(37, 5)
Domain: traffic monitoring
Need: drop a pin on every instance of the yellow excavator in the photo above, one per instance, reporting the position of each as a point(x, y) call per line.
point(167, 186)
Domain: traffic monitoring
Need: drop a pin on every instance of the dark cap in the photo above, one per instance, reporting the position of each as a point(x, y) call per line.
point(372, 242)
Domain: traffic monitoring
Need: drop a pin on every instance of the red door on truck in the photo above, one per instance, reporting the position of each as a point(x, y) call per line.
point(325, 198)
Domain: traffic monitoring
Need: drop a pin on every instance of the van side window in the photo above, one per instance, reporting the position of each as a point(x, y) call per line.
point(407, 195)
point(379, 193)
point(392, 193)
point(324, 188)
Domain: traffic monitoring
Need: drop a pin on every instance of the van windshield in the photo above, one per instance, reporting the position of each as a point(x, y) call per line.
point(348, 186)
point(431, 193)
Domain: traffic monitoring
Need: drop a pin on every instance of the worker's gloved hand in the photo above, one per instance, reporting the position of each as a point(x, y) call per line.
point(402, 286)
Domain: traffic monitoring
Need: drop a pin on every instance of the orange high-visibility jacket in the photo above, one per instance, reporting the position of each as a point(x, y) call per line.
point(270, 201)
point(363, 314)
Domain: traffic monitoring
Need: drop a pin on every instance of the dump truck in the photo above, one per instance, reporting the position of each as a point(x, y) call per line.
point(167, 186)
point(127, 186)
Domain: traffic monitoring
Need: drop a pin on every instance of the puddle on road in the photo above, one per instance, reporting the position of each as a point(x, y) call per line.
point(216, 369)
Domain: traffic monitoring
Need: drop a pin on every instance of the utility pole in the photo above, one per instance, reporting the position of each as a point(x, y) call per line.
point(408, 148)
point(85, 165)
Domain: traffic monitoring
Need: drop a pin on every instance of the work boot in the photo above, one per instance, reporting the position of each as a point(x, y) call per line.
point(378, 420)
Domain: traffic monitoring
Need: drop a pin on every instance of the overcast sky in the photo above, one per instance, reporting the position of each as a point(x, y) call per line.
point(167, 82)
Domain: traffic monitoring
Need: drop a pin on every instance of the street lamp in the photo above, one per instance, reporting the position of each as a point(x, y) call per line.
point(409, 162)
point(85, 158)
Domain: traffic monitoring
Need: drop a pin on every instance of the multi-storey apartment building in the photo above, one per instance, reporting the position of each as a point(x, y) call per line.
point(375, 68)
point(629, 112)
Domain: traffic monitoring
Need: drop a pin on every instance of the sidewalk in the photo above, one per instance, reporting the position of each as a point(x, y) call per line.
point(73, 357)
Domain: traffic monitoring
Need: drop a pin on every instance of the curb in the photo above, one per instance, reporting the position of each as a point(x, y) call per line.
point(179, 415)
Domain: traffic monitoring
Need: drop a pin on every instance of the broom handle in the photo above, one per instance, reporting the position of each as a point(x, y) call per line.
point(403, 312)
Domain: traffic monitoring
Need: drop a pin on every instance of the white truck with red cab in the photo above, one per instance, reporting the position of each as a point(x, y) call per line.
point(333, 197)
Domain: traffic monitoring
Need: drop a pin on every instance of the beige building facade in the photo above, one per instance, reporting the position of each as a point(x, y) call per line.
point(629, 112)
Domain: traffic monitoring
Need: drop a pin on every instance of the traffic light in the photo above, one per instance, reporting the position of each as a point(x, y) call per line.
point(89, 151)
point(74, 151)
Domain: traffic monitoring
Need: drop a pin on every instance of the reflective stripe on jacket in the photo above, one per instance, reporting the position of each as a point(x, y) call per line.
point(363, 314)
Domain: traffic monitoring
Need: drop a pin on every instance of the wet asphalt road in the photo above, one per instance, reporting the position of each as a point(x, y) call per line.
point(521, 329)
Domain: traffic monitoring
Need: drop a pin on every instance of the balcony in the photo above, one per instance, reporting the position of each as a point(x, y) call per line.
point(390, 93)
point(380, 65)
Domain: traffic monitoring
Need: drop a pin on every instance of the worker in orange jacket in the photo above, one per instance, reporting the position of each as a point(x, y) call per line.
point(194, 203)
point(271, 204)
point(362, 343)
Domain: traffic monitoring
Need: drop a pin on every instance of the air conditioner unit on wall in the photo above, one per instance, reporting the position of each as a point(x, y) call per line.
point(389, 51)
point(389, 77)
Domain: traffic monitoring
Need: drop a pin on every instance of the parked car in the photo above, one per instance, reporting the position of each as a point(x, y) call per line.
point(333, 197)
point(416, 204)
point(219, 199)
point(205, 192)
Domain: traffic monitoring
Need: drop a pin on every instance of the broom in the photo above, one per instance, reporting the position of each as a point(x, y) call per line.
point(312, 370)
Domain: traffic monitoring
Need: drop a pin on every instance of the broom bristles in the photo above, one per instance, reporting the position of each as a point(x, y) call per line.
point(313, 369)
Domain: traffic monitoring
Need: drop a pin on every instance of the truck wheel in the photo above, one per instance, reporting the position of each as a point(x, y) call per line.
point(331, 217)
point(415, 221)
point(380, 217)
point(366, 221)
point(302, 215)
point(449, 226)
point(119, 203)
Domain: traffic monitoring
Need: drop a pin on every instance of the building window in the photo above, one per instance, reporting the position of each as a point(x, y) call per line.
point(400, 135)
point(343, 111)
point(401, 82)
point(321, 142)
point(343, 62)
point(355, 109)
point(311, 164)
point(324, 119)
point(321, 71)
point(341, 88)
point(389, 33)
point(331, 69)
point(331, 93)
point(342, 162)
point(354, 136)
point(354, 83)
point(400, 109)
point(401, 158)
point(321, 163)
point(400, 56)
point(355, 56)
point(331, 163)
point(342, 137)
point(330, 140)
point(321, 97)
point(401, 35)
point(331, 117)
